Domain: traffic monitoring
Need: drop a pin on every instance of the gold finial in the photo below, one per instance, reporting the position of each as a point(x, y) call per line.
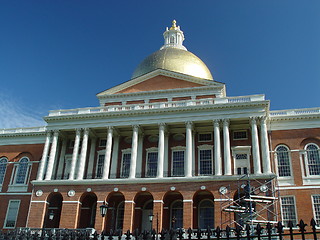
point(174, 26)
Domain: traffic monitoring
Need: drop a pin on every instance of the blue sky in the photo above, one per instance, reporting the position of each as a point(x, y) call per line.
point(60, 54)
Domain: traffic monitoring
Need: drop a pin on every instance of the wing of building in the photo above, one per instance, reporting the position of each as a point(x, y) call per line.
point(170, 143)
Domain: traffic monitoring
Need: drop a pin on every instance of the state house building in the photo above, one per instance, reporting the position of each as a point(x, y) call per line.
point(170, 143)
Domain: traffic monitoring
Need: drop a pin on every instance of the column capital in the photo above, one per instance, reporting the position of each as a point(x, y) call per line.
point(263, 120)
point(55, 132)
point(253, 120)
point(189, 124)
point(216, 122)
point(162, 126)
point(226, 122)
point(110, 129)
point(78, 130)
point(86, 130)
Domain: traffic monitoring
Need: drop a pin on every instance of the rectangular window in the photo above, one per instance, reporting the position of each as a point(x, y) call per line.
point(241, 163)
point(205, 158)
point(100, 165)
point(316, 208)
point(12, 214)
point(125, 167)
point(103, 142)
point(288, 209)
point(152, 164)
point(240, 135)
point(205, 137)
point(178, 163)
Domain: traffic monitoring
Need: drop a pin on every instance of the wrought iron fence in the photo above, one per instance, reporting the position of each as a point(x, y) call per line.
point(270, 232)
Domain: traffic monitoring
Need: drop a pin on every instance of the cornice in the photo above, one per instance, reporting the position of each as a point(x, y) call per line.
point(241, 105)
point(146, 180)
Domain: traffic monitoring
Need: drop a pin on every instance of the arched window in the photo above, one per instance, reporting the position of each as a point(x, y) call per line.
point(313, 159)
point(3, 167)
point(120, 215)
point(21, 174)
point(177, 214)
point(283, 161)
point(206, 214)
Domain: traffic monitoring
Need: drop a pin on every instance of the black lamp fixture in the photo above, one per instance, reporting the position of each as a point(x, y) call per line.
point(103, 209)
point(150, 217)
point(51, 215)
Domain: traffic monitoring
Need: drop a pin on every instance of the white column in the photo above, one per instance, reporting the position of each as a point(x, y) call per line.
point(255, 147)
point(166, 152)
point(265, 146)
point(217, 148)
point(114, 162)
point(83, 154)
point(107, 155)
point(91, 157)
point(226, 141)
point(75, 155)
point(61, 160)
point(134, 151)
point(139, 155)
point(162, 127)
point(188, 162)
point(53, 152)
point(44, 157)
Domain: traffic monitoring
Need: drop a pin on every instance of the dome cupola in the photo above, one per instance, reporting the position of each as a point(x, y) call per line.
point(173, 56)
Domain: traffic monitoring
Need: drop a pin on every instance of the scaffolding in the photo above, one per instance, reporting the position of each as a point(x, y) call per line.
point(249, 201)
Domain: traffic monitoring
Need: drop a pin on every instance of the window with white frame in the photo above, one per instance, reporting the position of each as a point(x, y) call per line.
point(288, 210)
point(12, 214)
point(100, 164)
point(152, 162)
point(316, 208)
point(3, 167)
point(125, 164)
point(21, 172)
point(313, 159)
point(205, 137)
point(178, 156)
point(241, 158)
point(205, 160)
point(240, 135)
point(283, 161)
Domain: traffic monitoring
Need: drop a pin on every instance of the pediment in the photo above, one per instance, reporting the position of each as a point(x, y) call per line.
point(159, 80)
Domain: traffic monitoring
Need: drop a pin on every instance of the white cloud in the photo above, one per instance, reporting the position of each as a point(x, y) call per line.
point(14, 115)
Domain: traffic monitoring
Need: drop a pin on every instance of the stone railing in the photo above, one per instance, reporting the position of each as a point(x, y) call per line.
point(23, 130)
point(295, 112)
point(158, 105)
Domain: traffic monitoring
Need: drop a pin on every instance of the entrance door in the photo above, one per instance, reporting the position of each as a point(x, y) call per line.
point(145, 223)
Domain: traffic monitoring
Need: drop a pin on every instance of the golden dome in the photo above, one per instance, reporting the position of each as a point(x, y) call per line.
point(175, 60)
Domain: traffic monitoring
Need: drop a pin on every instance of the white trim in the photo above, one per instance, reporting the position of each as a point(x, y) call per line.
point(298, 188)
point(5, 221)
point(16, 193)
point(223, 199)
point(158, 201)
point(187, 200)
point(129, 201)
point(72, 202)
point(39, 201)
point(241, 150)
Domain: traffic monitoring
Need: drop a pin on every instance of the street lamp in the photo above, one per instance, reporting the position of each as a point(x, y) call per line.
point(103, 209)
point(150, 219)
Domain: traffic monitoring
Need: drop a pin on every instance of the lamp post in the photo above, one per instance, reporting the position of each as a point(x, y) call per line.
point(150, 219)
point(103, 210)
